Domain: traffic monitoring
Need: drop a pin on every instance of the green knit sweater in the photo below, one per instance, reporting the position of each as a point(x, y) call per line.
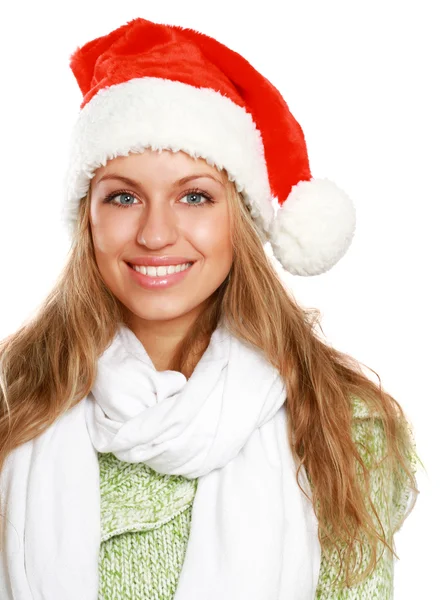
point(146, 517)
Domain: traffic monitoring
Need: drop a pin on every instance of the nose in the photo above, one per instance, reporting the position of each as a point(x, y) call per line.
point(159, 226)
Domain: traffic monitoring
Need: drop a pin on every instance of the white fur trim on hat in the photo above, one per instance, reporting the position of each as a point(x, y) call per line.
point(171, 115)
point(313, 228)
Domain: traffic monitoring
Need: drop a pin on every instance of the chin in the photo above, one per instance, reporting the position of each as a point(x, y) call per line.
point(160, 311)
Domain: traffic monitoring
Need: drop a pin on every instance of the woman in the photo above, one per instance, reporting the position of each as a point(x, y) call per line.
point(183, 432)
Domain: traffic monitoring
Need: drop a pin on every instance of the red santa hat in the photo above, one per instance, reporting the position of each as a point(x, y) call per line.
point(167, 87)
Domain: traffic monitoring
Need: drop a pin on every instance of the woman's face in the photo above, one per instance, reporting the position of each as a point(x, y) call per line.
point(173, 218)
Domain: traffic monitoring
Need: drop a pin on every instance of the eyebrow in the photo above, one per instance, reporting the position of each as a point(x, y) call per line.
point(177, 183)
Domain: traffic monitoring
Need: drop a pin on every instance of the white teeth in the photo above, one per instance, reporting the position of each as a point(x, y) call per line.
point(161, 271)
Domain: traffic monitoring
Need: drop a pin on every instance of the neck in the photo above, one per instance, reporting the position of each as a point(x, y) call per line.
point(161, 338)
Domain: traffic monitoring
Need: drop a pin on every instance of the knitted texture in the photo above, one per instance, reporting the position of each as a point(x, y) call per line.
point(390, 496)
point(145, 525)
point(146, 519)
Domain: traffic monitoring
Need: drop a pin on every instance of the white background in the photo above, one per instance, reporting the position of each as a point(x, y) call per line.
point(364, 81)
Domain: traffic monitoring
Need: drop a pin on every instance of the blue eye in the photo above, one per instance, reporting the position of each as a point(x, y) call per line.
point(194, 194)
point(126, 197)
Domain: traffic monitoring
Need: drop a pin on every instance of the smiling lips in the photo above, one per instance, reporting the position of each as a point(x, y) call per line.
point(159, 261)
point(155, 277)
point(161, 271)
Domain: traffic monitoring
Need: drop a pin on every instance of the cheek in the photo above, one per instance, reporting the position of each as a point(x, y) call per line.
point(211, 235)
point(108, 234)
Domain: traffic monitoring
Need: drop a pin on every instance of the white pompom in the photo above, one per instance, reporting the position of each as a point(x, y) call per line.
point(313, 228)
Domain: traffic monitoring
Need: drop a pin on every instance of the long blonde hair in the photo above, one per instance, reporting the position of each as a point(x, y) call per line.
point(49, 365)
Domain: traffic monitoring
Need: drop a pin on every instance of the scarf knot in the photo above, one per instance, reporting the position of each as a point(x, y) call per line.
point(253, 533)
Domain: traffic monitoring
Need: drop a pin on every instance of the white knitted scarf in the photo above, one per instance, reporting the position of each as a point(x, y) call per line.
point(253, 533)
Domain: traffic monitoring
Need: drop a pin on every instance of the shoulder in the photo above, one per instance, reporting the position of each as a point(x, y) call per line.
point(391, 496)
point(391, 490)
point(360, 409)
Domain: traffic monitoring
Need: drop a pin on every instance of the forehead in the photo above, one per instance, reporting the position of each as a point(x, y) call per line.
point(164, 162)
